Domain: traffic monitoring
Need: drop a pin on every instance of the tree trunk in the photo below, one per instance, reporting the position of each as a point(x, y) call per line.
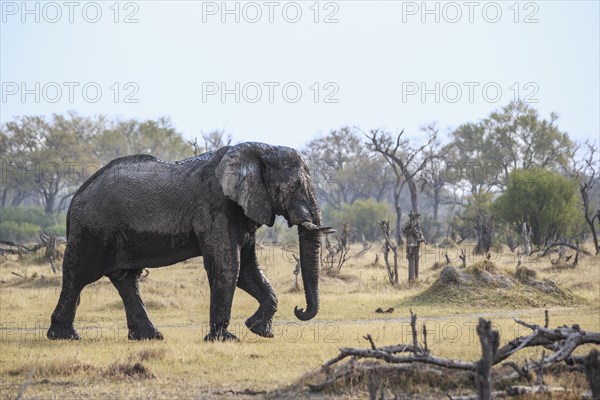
point(387, 246)
point(525, 239)
point(398, 209)
point(490, 341)
point(49, 206)
point(415, 221)
point(484, 234)
point(586, 207)
point(414, 238)
point(4, 196)
point(414, 199)
point(436, 225)
point(592, 370)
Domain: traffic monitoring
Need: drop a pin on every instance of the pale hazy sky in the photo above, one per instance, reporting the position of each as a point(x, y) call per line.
point(373, 59)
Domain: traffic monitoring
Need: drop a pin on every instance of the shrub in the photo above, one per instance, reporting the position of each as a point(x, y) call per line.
point(546, 201)
point(22, 224)
point(18, 232)
point(362, 217)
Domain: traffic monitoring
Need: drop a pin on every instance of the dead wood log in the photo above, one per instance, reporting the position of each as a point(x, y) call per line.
point(366, 247)
point(575, 247)
point(380, 354)
point(25, 384)
point(490, 341)
point(463, 258)
point(592, 370)
point(413, 328)
point(561, 341)
point(535, 389)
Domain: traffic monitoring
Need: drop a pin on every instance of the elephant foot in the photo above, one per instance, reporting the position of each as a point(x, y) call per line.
point(260, 327)
point(221, 336)
point(62, 333)
point(145, 334)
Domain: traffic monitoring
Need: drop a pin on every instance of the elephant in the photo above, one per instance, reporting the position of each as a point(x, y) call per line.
point(140, 212)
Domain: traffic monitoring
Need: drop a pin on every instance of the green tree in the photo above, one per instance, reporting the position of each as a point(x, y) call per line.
point(48, 158)
point(361, 216)
point(476, 219)
point(23, 223)
point(158, 138)
point(513, 137)
point(544, 200)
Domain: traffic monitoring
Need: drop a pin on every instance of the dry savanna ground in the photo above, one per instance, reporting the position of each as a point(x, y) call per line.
point(106, 365)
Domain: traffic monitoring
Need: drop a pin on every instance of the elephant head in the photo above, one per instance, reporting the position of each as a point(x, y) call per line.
point(271, 180)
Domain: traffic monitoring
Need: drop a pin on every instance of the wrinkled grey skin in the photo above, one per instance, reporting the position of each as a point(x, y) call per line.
point(139, 212)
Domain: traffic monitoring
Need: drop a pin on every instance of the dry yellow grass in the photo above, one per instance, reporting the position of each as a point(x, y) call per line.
point(106, 364)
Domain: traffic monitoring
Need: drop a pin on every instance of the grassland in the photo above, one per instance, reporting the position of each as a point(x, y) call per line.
point(106, 365)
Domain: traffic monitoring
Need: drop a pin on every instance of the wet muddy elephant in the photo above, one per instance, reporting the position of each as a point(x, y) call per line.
point(139, 212)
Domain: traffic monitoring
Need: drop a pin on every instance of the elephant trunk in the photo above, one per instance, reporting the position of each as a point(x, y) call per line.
point(310, 247)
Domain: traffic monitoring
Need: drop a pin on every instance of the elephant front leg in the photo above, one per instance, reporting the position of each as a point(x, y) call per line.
point(255, 284)
point(253, 281)
point(222, 277)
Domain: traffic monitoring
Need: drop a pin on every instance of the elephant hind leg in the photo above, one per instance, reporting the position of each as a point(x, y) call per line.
point(61, 323)
point(138, 323)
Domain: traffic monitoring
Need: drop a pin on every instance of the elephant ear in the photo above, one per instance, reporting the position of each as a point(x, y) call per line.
point(241, 177)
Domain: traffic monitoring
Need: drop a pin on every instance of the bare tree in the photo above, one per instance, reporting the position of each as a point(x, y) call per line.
point(585, 172)
point(434, 179)
point(407, 162)
point(334, 256)
point(345, 171)
point(388, 246)
point(414, 238)
point(215, 140)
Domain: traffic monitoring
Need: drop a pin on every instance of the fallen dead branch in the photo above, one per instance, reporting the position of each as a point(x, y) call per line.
point(48, 242)
point(334, 256)
point(25, 384)
point(561, 342)
point(576, 247)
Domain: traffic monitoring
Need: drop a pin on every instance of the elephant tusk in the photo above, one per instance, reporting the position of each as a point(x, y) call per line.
point(312, 227)
point(327, 230)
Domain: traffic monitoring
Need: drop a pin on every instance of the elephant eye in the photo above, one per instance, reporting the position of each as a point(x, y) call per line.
point(292, 186)
point(296, 186)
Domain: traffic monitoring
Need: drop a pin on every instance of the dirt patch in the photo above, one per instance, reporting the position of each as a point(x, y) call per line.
point(54, 368)
point(128, 371)
point(36, 281)
point(524, 274)
point(438, 264)
point(582, 286)
point(449, 276)
point(344, 277)
point(150, 304)
point(483, 284)
point(151, 353)
point(161, 304)
point(560, 265)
